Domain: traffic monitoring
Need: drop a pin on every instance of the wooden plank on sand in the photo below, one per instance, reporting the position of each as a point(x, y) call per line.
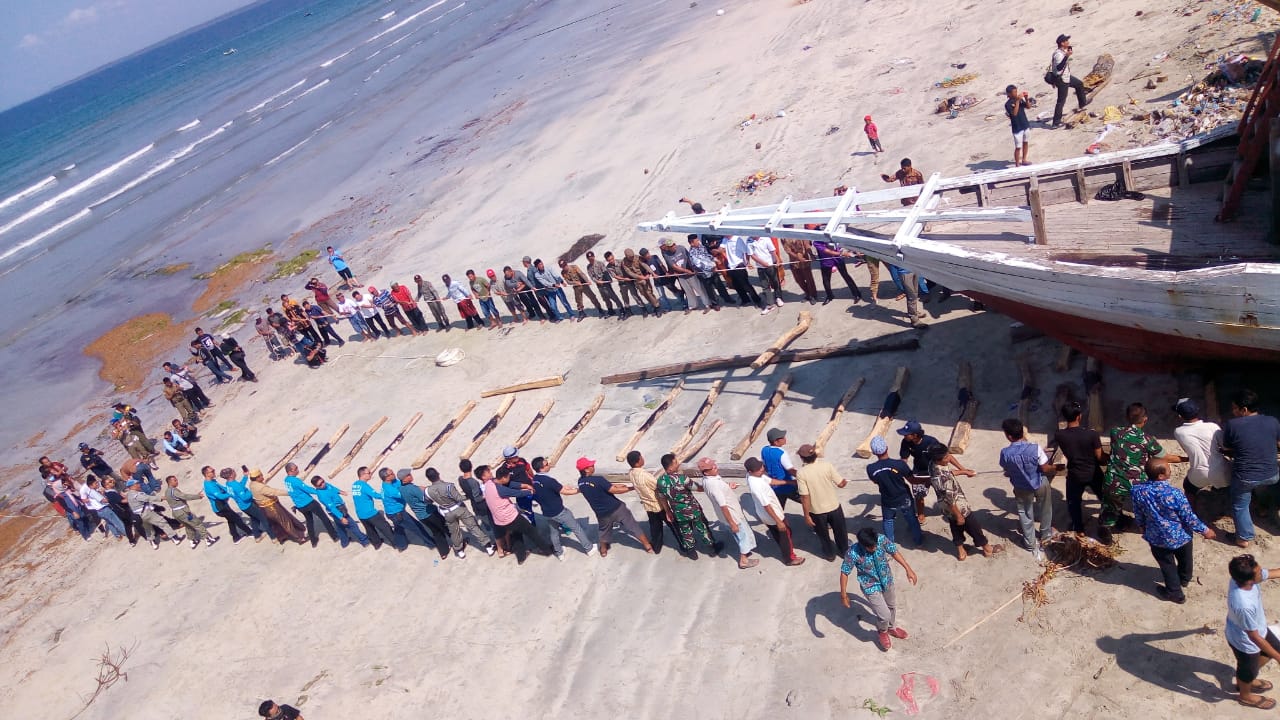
point(648, 423)
point(545, 382)
point(324, 450)
point(395, 442)
point(763, 418)
point(802, 325)
point(478, 439)
point(443, 435)
point(289, 455)
point(698, 418)
point(836, 413)
point(357, 447)
point(892, 401)
point(573, 431)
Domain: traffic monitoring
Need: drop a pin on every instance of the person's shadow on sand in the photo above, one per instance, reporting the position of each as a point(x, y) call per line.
point(848, 619)
point(1137, 654)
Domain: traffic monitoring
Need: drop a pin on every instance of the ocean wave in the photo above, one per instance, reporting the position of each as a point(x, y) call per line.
point(27, 192)
point(189, 126)
point(33, 240)
point(291, 150)
point(160, 167)
point(407, 20)
point(312, 89)
point(96, 178)
point(267, 102)
point(335, 59)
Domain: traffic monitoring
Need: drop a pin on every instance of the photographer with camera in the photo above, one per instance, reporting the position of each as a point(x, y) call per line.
point(1059, 76)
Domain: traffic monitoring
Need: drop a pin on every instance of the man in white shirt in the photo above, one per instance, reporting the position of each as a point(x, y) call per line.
point(350, 309)
point(459, 293)
point(770, 510)
point(737, 253)
point(728, 510)
point(765, 257)
point(1208, 469)
point(1060, 72)
point(369, 314)
point(96, 503)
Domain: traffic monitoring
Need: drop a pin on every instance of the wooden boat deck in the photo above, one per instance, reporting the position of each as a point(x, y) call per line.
point(1170, 229)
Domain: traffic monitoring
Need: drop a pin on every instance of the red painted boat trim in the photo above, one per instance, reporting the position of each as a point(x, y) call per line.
point(1126, 348)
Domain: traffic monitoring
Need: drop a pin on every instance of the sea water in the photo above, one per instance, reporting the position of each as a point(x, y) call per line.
point(185, 152)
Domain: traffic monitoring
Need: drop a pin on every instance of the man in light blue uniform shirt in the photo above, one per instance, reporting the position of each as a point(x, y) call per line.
point(303, 499)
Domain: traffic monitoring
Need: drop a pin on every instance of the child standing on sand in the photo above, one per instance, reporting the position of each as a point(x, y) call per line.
point(873, 134)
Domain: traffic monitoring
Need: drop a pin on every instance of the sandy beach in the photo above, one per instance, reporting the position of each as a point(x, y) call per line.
point(590, 119)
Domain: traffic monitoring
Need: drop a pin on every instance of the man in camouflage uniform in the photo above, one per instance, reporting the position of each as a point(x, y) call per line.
point(1131, 448)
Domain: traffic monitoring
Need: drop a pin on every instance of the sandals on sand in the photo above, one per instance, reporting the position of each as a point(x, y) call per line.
point(1261, 686)
point(1262, 703)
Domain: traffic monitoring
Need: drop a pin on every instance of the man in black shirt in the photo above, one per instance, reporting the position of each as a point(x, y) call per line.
point(915, 445)
point(270, 710)
point(1015, 108)
point(1083, 449)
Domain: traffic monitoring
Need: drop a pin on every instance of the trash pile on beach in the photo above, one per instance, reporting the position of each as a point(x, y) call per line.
point(1217, 100)
point(757, 181)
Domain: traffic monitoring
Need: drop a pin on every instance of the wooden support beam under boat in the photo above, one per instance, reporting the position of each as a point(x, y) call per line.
point(1082, 187)
point(892, 401)
point(1037, 212)
point(762, 419)
point(1028, 393)
point(1093, 388)
point(967, 409)
point(546, 382)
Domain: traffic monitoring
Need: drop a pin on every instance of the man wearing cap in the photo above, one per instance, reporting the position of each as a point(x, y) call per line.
point(769, 509)
point(179, 503)
point(303, 497)
point(508, 522)
point(1207, 470)
point(646, 485)
point(284, 526)
point(581, 283)
point(91, 459)
point(427, 293)
point(452, 505)
point(233, 350)
point(640, 276)
point(374, 522)
point(238, 488)
point(426, 512)
point(509, 298)
point(675, 492)
point(873, 134)
point(178, 399)
point(894, 478)
point(728, 510)
point(1029, 472)
point(680, 264)
point(547, 492)
point(390, 310)
point(626, 286)
point(483, 291)
point(516, 285)
point(779, 468)
point(816, 482)
point(330, 496)
point(394, 504)
point(599, 273)
point(1059, 75)
point(219, 498)
point(915, 446)
point(599, 494)
point(516, 472)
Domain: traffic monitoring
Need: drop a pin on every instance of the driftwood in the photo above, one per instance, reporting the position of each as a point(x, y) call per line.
point(357, 448)
point(395, 442)
point(1099, 76)
point(297, 448)
point(648, 423)
point(324, 450)
point(443, 435)
point(527, 435)
point(802, 325)
point(967, 407)
point(687, 453)
point(479, 438)
point(573, 431)
point(1028, 393)
point(763, 418)
point(887, 412)
point(698, 418)
point(1093, 388)
point(836, 413)
point(901, 341)
point(546, 382)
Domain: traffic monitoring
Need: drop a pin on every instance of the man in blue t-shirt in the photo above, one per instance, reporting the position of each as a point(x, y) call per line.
point(599, 494)
point(1251, 641)
point(1015, 108)
point(1029, 471)
point(893, 477)
point(779, 468)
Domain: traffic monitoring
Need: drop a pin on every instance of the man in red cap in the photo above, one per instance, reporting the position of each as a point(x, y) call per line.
point(599, 494)
point(873, 134)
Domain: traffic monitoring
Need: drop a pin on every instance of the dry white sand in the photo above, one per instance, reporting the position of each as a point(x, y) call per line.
point(359, 632)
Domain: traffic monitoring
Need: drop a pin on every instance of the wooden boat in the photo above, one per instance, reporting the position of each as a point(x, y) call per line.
point(1150, 283)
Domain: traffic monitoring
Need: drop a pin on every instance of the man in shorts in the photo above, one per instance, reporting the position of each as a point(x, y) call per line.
point(340, 265)
point(1251, 641)
point(1015, 108)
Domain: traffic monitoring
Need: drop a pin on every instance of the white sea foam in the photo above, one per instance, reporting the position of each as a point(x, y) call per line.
point(388, 16)
point(313, 88)
point(291, 150)
point(33, 240)
point(161, 166)
point(189, 126)
point(267, 102)
point(96, 178)
point(407, 20)
point(28, 192)
point(335, 59)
